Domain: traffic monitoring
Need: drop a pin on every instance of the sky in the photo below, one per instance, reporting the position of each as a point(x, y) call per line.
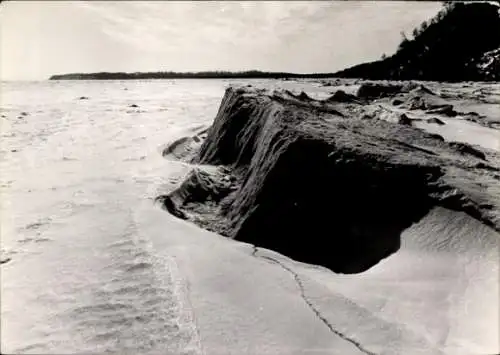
point(42, 38)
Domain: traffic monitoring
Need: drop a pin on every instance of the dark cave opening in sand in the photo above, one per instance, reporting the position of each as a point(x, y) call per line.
point(332, 210)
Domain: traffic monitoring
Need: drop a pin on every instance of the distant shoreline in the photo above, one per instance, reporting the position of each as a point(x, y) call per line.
point(253, 74)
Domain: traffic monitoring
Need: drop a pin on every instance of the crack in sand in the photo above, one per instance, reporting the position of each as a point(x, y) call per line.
point(309, 303)
point(254, 251)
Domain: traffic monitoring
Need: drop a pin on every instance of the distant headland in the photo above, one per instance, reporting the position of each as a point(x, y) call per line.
point(251, 74)
point(461, 43)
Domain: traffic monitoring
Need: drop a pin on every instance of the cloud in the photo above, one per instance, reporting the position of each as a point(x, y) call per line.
point(303, 36)
point(174, 25)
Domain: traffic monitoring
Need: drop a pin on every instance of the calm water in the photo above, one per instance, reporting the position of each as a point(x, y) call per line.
point(78, 178)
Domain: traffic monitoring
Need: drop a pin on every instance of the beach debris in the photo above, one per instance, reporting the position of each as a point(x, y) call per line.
point(405, 120)
point(436, 120)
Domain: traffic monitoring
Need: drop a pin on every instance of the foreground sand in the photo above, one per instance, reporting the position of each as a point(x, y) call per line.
point(431, 297)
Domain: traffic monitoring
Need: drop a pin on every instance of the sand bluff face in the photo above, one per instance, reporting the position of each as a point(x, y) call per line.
point(312, 180)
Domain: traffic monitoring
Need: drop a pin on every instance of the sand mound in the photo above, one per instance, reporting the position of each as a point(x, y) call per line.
point(352, 186)
point(422, 98)
point(185, 147)
point(378, 90)
point(465, 148)
point(342, 96)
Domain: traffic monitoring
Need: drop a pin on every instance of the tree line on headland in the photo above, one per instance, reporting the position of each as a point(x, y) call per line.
point(461, 43)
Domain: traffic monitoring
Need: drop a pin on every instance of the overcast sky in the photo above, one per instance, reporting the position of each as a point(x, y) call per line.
point(41, 38)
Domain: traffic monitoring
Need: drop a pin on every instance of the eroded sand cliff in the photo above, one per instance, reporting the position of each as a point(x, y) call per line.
point(332, 182)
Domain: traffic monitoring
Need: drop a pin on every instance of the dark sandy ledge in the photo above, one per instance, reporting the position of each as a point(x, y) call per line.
point(329, 182)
